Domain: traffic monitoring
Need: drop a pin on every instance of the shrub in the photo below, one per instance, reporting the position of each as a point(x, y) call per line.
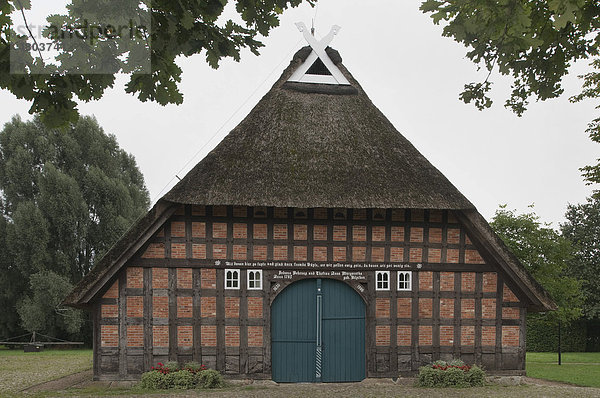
point(190, 375)
point(172, 366)
point(193, 367)
point(210, 378)
point(152, 380)
point(156, 380)
point(183, 379)
point(452, 374)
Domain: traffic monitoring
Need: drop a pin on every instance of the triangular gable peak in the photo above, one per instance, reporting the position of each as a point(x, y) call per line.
point(318, 67)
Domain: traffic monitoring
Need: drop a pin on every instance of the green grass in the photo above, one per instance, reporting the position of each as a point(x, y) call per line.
point(19, 370)
point(580, 368)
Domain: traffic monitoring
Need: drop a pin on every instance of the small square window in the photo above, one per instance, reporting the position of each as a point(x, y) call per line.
point(254, 280)
point(232, 279)
point(382, 280)
point(404, 280)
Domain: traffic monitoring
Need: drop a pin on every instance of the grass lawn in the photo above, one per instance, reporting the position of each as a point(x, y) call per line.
point(581, 368)
point(19, 370)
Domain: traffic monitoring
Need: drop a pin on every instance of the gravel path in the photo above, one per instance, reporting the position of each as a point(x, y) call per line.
point(81, 385)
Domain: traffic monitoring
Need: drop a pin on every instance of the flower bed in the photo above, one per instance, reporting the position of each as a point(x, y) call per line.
point(451, 374)
point(188, 376)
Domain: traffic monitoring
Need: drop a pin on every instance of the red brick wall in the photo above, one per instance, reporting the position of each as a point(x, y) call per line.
point(208, 278)
point(447, 308)
point(425, 308)
point(135, 277)
point(425, 280)
point(510, 336)
point(280, 231)
point(160, 336)
point(208, 307)
point(178, 250)
point(208, 336)
point(109, 335)
point(359, 233)
point(447, 281)
point(382, 308)
point(508, 295)
point(135, 336)
point(160, 306)
point(488, 308)
point(446, 335)
point(425, 335)
point(184, 307)
point(232, 307)
point(404, 307)
point(160, 278)
point(110, 311)
point(467, 335)
point(232, 336)
point(255, 307)
point(185, 336)
point(135, 306)
point(382, 335)
point(467, 308)
point(404, 335)
point(184, 278)
point(113, 291)
point(490, 281)
point(510, 313)
point(155, 250)
point(198, 230)
point(468, 281)
point(255, 336)
point(488, 335)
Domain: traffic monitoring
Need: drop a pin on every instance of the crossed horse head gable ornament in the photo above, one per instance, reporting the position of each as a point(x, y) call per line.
point(318, 52)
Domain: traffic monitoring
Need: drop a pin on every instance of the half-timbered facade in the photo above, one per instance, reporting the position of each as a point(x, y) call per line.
point(315, 243)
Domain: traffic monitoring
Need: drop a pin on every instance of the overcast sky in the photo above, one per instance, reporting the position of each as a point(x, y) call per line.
point(412, 73)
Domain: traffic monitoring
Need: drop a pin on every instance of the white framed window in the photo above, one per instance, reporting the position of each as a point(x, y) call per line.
point(382, 280)
point(404, 280)
point(254, 279)
point(232, 279)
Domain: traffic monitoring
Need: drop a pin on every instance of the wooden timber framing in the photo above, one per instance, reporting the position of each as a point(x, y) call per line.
point(474, 337)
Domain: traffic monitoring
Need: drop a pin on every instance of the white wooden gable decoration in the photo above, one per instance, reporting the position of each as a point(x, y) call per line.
point(318, 67)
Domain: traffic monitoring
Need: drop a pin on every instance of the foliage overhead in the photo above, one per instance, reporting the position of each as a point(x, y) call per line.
point(66, 196)
point(532, 41)
point(583, 229)
point(177, 28)
point(546, 255)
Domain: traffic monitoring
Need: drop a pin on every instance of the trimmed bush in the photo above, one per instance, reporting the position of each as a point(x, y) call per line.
point(183, 379)
point(450, 374)
point(189, 376)
point(210, 378)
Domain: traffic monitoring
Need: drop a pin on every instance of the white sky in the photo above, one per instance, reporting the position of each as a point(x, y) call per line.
point(412, 73)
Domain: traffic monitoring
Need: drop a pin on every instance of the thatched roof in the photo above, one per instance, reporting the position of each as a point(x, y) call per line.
point(311, 145)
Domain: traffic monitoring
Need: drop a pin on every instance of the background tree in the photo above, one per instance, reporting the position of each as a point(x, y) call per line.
point(583, 229)
point(178, 28)
point(546, 255)
point(66, 196)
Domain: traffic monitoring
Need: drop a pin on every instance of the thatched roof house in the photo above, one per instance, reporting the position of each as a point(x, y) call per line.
point(311, 154)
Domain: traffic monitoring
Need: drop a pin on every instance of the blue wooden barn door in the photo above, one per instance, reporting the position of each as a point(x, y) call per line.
point(318, 333)
point(343, 333)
